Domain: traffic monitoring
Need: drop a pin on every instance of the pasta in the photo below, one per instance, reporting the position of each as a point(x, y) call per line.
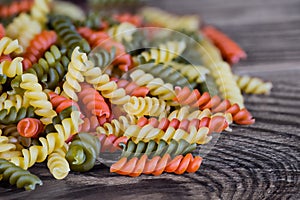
point(30, 127)
point(157, 165)
point(8, 46)
point(93, 101)
point(148, 132)
point(140, 106)
point(253, 85)
point(156, 86)
point(38, 45)
point(165, 52)
point(37, 98)
point(76, 68)
point(187, 22)
point(83, 152)
point(18, 176)
point(117, 126)
point(57, 163)
point(144, 97)
point(122, 32)
point(153, 148)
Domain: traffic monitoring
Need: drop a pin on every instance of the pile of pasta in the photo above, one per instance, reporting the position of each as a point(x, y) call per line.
point(151, 88)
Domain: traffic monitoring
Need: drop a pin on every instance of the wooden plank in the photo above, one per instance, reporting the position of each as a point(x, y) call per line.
point(261, 161)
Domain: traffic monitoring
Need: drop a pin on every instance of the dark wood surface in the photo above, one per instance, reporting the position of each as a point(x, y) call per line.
point(261, 161)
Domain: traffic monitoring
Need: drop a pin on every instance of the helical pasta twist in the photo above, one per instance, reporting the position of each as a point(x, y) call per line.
point(15, 8)
point(166, 73)
point(57, 163)
point(30, 127)
point(132, 89)
point(221, 72)
point(148, 132)
point(38, 45)
point(205, 101)
point(39, 10)
point(6, 147)
point(157, 165)
point(108, 88)
point(164, 52)
point(156, 86)
point(122, 31)
point(37, 98)
point(93, 101)
point(68, 35)
point(8, 46)
point(8, 101)
point(153, 148)
point(83, 152)
point(54, 140)
point(89, 124)
point(14, 115)
point(214, 123)
point(102, 58)
point(117, 126)
point(165, 19)
point(18, 176)
point(253, 85)
point(23, 28)
point(61, 103)
point(140, 106)
point(76, 68)
point(12, 68)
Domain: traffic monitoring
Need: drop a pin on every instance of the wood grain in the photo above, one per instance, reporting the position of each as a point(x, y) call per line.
point(261, 161)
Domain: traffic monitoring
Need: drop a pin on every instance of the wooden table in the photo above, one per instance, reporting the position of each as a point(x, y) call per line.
point(261, 161)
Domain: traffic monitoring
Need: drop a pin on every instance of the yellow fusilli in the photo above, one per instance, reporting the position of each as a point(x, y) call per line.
point(140, 106)
point(37, 98)
point(122, 32)
point(57, 163)
point(253, 85)
point(11, 68)
point(8, 46)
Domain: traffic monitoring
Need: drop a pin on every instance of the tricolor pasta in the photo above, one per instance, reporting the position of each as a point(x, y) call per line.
point(72, 86)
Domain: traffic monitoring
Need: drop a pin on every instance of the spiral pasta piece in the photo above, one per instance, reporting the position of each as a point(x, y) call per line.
point(83, 152)
point(74, 76)
point(102, 58)
point(93, 101)
point(157, 165)
point(14, 115)
point(12, 68)
point(192, 73)
point(140, 106)
point(221, 72)
point(54, 140)
point(89, 124)
point(166, 73)
point(38, 45)
point(37, 98)
point(156, 86)
point(68, 35)
point(117, 126)
point(153, 148)
point(214, 123)
point(253, 85)
point(205, 101)
point(132, 89)
point(30, 127)
point(57, 163)
point(23, 28)
point(148, 132)
point(159, 17)
point(18, 176)
point(6, 145)
point(51, 69)
point(15, 8)
point(8, 46)
point(7, 101)
point(61, 103)
point(122, 31)
point(165, 52)
point(40, 9)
